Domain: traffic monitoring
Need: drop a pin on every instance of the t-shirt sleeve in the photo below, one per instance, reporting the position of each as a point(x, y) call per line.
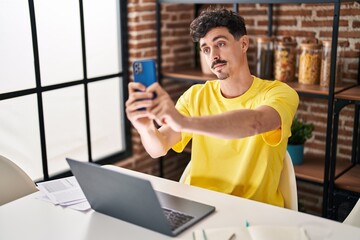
point(182, 106)
point(285, 101)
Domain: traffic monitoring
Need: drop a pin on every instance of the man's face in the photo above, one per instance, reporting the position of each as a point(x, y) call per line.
point(222, 52)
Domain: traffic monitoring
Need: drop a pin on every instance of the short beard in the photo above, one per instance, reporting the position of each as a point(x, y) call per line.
point(222, 76)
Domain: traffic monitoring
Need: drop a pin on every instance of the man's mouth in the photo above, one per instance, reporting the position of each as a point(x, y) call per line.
point(218, 63)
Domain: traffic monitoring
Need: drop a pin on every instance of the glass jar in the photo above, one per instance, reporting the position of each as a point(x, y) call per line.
point(326, 62)
point(285, 59)
point(264, 57)
point(310, 62)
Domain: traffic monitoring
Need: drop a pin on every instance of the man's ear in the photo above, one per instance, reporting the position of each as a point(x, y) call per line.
point(244, 41)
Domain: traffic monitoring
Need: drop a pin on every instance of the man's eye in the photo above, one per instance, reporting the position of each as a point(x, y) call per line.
point(221, 44)
point(206, 51)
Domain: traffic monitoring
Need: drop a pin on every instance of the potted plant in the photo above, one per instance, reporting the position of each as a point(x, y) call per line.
point(300, 132)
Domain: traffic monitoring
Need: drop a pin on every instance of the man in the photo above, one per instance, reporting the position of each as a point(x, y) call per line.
point(239, 124)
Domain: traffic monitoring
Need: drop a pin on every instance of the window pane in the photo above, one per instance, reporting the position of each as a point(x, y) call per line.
point(107, 128)
point(59, 38)
point(65, 128)
point(16, 50)
point(20, 135)
point(102, 37)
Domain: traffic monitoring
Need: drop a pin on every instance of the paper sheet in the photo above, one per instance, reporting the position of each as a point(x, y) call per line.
point(65, 192)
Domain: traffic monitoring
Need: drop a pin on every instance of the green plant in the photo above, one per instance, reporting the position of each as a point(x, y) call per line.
point(300, 132)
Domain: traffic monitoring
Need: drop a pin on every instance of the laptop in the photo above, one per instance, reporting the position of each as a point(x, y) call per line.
point(134, 200)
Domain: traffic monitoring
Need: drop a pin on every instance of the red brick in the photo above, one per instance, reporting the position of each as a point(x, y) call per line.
point(292, 13)
point(345, 151)
point(353, 66)
point(351, 54)
point(252, 12)
point(144, 36)
point(143, 8)
point(343, 12)
point(142, 27)
point(297, 33)
point(348, 75)
point(356, 24)
point(351, 34)
point(258, 32)
point(171, 25)
point(178, 7)
point(279, 22)
point(149, 17)
point(322, 23)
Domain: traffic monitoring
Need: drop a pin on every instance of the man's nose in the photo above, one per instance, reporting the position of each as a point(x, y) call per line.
point(214, 55)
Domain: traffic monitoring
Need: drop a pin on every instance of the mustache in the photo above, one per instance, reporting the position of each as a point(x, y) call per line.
point(219, 61)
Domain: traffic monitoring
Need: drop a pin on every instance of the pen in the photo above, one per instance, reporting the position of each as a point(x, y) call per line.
point(232, 237)
point(205, 237)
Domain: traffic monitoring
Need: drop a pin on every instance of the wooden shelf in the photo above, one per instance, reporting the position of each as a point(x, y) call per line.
point(350, 94)
point(196, 75)
point(350, 180)
point(189, 75)
point(312, 168)
point(317, 89)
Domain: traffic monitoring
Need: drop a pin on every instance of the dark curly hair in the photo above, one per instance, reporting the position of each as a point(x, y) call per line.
point(219, 17)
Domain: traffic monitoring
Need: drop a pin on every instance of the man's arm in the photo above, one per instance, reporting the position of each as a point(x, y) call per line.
point(234, 124)
point(229, 125)
point(155, 141)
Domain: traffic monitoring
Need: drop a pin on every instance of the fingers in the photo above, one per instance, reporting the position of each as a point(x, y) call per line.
point(134, 86)
point(156, 108)
point(134, 105)
point(137, 96)
point(155, 87)
point(134, 115)
point(158, 113)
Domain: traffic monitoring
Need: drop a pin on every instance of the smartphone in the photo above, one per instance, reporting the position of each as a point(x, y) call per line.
point(145, 71)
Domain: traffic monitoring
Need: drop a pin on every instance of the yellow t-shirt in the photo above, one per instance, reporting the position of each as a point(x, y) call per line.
point(249, 167)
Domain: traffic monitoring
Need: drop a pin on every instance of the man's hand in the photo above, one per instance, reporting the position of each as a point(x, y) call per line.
point(137, 104)
point(163, 110)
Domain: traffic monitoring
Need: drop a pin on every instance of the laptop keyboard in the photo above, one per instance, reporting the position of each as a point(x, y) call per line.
point(176, 219)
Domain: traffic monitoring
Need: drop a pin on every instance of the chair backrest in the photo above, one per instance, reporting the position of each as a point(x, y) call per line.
point(354, 216)
point(287, 185)
point(185, 173)
point(15, 183)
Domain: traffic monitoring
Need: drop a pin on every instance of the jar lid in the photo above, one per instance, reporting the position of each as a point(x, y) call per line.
point(286, 41)
point(264, 39)
point(327, 43)
point(310, 43)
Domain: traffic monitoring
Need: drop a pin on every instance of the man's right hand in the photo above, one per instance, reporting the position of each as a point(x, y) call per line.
point(136, 106)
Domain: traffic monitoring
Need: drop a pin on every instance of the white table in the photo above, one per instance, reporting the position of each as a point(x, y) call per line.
point(29, 218)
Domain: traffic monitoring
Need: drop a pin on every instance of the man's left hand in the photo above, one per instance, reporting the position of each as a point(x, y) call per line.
point(163, 110)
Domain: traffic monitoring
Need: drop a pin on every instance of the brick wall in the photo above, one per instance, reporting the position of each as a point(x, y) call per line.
point(297, 20)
